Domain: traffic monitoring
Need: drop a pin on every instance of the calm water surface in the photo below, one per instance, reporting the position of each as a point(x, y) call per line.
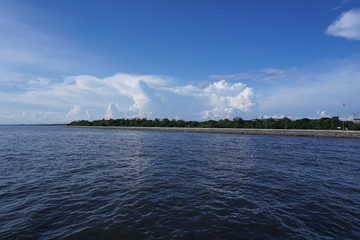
point(70, 183)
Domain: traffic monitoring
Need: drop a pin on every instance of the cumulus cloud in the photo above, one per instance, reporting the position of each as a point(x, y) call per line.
point(322, 114)
point(217, 113)
point(227, 98)
point(280, 116)
point(74, 111)
point(113, 111)
point(347, 25)
point(89, 115)
point(130, 96)
point(151, 96)
point(219, 99)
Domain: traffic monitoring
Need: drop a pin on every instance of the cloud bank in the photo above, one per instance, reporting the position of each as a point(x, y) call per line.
point(124, 96)
point(309, 94)
point(347, 25)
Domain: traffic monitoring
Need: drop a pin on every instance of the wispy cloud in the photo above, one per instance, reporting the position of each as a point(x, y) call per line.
point(28, 52)
point(327, 90)
point(342, 4)
point(266, 74)
point(347, 25)
point(9, 76)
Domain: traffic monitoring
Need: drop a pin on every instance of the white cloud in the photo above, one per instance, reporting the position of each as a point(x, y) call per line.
point(127, 95)
point(89, 115)
point(27, 52)
point(266, 74)
point(220, 99)
point(280, 116)
point(347, 25)
point(32, 117)
point(113, 112)
point(74, 111)
point(217, 113)
point(39, 82)
point(342, 4)
point(322, 114)
point(9, 76)
point(327, 90)
point(226, 98)
point(150, 96)
point(41, 116)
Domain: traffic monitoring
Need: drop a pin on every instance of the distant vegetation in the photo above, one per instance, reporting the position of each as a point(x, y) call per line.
point(332, 123)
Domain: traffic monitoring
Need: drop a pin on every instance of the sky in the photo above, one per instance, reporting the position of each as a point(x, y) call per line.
point(69, 60)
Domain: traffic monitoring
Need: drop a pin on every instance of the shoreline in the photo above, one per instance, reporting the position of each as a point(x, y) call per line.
point(245, 131)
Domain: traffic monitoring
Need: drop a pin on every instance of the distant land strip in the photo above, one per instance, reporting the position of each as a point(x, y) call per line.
point(245, 131)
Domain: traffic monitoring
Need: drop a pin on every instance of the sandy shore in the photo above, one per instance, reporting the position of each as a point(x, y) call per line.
point(275, 132)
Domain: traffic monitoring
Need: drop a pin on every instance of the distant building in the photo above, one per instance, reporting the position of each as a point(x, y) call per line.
point(356, 120)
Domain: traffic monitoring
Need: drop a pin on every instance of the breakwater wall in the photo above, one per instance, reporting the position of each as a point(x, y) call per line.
point(246, 131)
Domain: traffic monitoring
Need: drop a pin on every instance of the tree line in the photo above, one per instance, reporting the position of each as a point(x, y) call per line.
point(332, 123)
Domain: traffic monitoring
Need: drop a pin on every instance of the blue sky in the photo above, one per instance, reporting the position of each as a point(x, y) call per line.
point(90, 59)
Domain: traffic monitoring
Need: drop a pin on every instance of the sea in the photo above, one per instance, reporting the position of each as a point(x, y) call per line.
point(58, 182)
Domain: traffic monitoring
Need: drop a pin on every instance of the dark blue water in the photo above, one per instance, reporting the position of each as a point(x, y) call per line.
point(70, 183)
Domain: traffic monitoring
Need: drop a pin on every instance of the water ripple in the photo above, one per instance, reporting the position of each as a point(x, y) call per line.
point(66, 183)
